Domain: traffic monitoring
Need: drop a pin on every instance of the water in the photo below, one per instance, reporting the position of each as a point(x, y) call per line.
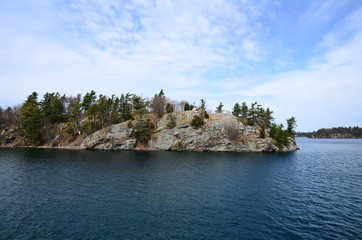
point(315, 193)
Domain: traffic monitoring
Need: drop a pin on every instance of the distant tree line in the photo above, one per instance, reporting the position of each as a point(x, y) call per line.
point(39, 119)
point(336, 132)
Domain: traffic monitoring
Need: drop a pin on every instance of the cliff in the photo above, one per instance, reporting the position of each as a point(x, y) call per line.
point(221, 132)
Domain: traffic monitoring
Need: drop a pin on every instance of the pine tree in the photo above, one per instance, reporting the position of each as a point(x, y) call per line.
point(30, 114)
point(219, 108)
point(236, 110)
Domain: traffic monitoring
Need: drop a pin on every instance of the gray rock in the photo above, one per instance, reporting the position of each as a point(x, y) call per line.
point(221, 132)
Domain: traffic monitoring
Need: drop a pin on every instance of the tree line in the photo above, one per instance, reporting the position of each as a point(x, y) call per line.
point(39, 119)
point(335, 132)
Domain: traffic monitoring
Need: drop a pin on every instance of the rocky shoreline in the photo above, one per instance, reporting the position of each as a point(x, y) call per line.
point(220, 133)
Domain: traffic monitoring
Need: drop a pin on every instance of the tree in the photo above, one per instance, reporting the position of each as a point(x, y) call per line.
point(187, 107)
point(142, 130)
point(279, 135)
point(74, 114)
point(203, 106)
point(291, 124)
point(158, 104)
point(236, 110)
point(103, 110)
point(30, 114)
point(170, 108)
point(52, 107)
point(125, 107)
point(139, 104)
point(197, 121)
point(219, 108)
point(88, 100)
point(244, 110)
point(2, 118)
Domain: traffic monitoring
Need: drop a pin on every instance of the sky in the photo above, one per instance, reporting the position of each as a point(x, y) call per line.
point(300, 58)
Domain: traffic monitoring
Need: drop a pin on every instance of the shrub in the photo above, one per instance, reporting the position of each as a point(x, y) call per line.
point(89, 127)
point(171, 121)
point(231, 131)
point(280, 136)
point(197, 121)
point(142, 130)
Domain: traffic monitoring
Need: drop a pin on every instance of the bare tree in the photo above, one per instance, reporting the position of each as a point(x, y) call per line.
point(158, 104)
point(232, 131)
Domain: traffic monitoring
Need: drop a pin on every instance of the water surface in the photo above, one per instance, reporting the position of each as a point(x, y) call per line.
point(314, 193)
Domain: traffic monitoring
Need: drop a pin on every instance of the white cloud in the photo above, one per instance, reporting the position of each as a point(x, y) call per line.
point(332, 84)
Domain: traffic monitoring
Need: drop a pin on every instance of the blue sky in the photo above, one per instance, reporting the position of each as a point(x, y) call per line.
point(300, 58)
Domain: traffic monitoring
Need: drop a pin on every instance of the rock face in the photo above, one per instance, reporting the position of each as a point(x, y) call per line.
point(8, 136)
point(221, 132)
point(115, 137)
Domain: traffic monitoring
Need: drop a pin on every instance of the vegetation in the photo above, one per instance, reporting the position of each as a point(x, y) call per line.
point(336, 132)
point(197, 121)
point(41, 120)
point(171, 121)
point(219, 108)
point(30, 115)
point(142, 130)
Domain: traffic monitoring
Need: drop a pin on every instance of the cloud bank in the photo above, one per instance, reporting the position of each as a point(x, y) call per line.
point(300, 59)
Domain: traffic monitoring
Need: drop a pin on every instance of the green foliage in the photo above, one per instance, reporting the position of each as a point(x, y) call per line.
point(169, 108)
point(236, 110)
point(125, 107)
point(88, 100)
point(171, 121)
point(197, 121)
point(90, 127)
point(30, 114)
point(244, 110)
point(203, 106)
point(52, 107)
point(188, 107)
point(139, 104)
point(206, 115)
point(219, 108)
point(339, 132)
point(74, 113)
point(291, 124)
point(280, 136)
point(142, 130)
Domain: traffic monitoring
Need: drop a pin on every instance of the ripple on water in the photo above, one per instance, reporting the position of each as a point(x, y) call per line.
point(315, 193)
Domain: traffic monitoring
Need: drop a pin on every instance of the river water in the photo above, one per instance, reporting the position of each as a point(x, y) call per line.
point(314, 193)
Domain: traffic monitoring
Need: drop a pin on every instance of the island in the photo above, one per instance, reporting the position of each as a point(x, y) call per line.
point(132, 122)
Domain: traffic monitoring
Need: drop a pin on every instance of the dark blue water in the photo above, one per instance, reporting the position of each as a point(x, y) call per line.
point(315, 193)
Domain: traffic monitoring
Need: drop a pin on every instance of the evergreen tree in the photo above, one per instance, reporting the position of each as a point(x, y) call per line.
point(125, 107)
point(139, 104)
point(291, 124)
point(236, 110)
point(53, 108)
point(244, 110)
point(203, 106)
point(88, 100)
point(30, 114)
point(219, 108)
point(169, 108)
point(187, 107)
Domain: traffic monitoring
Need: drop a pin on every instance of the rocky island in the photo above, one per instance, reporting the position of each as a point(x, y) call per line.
point(135, 123)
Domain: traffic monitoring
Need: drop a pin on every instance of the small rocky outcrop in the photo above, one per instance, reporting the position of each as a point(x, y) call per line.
point(221, 132)
point(115, 137)
point(9, 136)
